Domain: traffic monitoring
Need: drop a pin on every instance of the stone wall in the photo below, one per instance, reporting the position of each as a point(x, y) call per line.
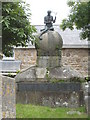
point(76, 58)
point(7, 95)
point(27, 56)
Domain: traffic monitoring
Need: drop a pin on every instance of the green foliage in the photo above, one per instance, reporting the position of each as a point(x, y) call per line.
point(37, 42)
point(80, 17)
point(18, 71)
point(47, 75)
point(11, 75)
point(76, 79)
point(87, 79)
point(16, 28)
point(57, 81)
point(57, 47)
point(72, 79)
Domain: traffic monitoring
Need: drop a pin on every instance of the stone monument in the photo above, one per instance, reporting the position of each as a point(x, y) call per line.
point(39, 84)
point(48, 20)
point(49, 50)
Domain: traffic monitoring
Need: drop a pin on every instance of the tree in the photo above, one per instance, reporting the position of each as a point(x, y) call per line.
point(16, 27)
point(80, 17)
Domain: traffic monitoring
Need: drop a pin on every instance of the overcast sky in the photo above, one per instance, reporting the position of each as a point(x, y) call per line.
point(39, 9)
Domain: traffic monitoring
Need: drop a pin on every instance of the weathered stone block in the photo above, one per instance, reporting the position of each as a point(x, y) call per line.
point(9, 66)
point(50, 94)
point(27, 75)
point(7, 95)
point(41, 73)
point(48, 61)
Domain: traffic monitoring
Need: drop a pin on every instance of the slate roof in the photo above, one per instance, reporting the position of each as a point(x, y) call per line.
point(71, 38)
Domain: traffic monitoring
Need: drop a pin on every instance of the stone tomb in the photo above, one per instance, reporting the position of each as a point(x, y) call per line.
point(50, 94)
point(39, 84)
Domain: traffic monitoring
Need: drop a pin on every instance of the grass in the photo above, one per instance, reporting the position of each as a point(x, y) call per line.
point(32, 111)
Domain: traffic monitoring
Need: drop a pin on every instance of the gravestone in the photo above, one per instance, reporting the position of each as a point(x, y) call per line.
point(7, 97)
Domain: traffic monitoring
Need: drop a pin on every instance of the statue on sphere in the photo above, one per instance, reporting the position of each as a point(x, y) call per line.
point(48, 21)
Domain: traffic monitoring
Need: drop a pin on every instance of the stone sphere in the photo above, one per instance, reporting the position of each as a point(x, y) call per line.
point(50, 44)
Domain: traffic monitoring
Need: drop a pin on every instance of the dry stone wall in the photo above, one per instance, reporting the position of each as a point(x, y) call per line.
point(27, 56)
point(75, 58)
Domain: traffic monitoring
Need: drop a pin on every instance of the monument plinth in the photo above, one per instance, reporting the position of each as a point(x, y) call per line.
point(49, 50)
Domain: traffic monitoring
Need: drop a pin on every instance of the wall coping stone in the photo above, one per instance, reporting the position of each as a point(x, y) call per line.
point(64, 46)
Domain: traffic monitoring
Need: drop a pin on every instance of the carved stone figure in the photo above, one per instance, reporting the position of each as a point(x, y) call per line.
point(48, 21)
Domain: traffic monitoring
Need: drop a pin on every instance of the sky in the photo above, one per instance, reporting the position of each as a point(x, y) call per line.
point(39, 9)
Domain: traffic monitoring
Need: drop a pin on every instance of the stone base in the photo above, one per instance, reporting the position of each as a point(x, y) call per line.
point(50, 94)
point(45, 74)
point(36, 85)
point(48, 61)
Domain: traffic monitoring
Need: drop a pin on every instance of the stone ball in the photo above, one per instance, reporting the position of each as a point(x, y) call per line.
point(50, 44)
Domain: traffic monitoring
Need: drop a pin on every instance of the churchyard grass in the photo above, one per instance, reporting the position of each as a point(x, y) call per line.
point(32, 111)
